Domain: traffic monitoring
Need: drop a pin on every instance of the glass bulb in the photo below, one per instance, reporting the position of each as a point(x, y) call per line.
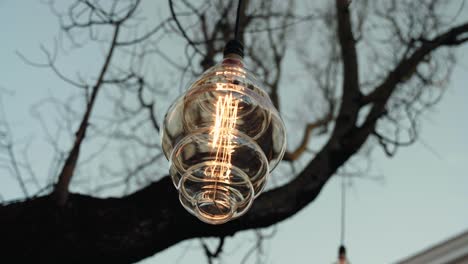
point(223, 137)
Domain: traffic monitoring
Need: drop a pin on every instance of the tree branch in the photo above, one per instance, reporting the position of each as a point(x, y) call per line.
point(149, 220)
point(182, 31)
point(211, 255)
point(380, 95)
point(349, 107)
point(295, 154)
point(66, 174)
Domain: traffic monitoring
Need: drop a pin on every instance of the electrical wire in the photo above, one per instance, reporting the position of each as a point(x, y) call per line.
point(236, 29)
point(343, 209)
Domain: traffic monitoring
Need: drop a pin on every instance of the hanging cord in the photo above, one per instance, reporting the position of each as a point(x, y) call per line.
point(342, 250)
point(235, 46)
point(236, 29)
point(343, 209)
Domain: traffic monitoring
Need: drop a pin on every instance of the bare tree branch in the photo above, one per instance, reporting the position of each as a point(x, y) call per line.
point(65, 176)
point(351, 93)
point(302, 147)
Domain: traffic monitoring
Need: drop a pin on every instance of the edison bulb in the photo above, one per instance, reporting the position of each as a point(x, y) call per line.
point(223, 137)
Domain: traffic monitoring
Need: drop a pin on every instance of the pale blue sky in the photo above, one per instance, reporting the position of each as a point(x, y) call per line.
point(424, 198)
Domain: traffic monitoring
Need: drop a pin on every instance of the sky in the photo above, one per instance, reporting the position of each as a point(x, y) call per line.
point(422, 200)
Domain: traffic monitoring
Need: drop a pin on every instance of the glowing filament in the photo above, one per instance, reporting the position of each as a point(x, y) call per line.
point(223, 135)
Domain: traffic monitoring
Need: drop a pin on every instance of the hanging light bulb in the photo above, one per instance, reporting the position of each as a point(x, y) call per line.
point(223, 137)
point(342, 259)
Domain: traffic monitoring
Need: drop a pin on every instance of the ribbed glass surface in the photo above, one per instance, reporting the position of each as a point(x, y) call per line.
point(222, 137)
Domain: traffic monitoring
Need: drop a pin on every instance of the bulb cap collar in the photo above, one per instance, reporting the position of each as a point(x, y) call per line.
point(234, 47)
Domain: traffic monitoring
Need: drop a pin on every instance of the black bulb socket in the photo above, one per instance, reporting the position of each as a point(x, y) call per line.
point(234, 47)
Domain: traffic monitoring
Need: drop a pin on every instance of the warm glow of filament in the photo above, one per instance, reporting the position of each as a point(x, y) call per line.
point(223, 135)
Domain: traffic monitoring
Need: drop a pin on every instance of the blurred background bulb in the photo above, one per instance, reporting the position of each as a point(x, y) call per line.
point(222, 137)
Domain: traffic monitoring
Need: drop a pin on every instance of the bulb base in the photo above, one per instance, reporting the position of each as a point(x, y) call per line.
point(234, 47)
point(214, 200)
